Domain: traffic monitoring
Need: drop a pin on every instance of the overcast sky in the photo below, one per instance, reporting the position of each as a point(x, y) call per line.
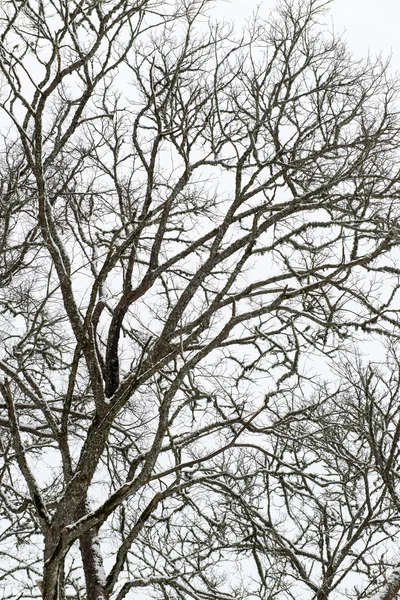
point(370, 24)
point(367, 24)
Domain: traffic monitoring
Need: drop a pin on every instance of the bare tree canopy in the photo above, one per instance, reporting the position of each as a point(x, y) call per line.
point(198, 226)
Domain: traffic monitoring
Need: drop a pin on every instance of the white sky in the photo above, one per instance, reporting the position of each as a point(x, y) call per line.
point(367, 25)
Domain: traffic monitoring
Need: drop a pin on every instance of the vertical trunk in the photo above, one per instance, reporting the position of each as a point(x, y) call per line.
point(93, 566)
point(52, 586)
point(53, 575)
point(325, 590)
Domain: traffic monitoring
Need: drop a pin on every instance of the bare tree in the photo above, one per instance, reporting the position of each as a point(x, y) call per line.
point(188, 215)
point(320, 506)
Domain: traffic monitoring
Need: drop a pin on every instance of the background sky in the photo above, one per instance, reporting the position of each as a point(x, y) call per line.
point(367, 25)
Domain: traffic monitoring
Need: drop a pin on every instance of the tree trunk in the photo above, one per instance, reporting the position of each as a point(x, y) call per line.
point(93, 566)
